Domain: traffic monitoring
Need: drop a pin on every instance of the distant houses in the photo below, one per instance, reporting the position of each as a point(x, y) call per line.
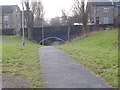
point(104, 12)
point(11, 18)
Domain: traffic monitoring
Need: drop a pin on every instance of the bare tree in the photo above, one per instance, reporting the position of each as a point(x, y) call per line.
point(37, 9)
point(81, 8)
point(66, 18)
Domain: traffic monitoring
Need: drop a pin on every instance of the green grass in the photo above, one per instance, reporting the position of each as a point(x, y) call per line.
point(21, 60)
point(99, 53)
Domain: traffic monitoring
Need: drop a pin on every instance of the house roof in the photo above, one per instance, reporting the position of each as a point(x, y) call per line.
point(102, 3)
point(8, 8)
point(116, 3)
point(106, 3)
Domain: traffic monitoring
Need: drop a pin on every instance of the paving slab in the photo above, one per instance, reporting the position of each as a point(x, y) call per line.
point(15, 82)
point(0, 81)
point(61, 71)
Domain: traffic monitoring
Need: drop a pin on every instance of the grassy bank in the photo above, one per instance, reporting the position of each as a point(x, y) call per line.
point(21, 60)
point(99, 53)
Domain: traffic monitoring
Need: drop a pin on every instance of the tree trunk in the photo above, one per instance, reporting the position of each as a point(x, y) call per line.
point(29, 34)
point(28, 21)
point(29, 26)
point(68, 33)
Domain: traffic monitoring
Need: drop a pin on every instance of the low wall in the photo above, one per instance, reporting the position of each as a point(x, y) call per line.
point(62, 31)
point(7, 32)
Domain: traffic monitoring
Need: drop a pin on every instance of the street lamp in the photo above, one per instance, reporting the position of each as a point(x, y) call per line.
point(43, 30)
point(23, 35)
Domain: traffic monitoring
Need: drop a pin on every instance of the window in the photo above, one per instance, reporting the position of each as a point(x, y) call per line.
point(6, 26)
point(106, 10)
point(6, 18)
point(106, 20)
point(97, 18)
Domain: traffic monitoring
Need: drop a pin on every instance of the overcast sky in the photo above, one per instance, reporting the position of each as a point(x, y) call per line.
point(52, 7)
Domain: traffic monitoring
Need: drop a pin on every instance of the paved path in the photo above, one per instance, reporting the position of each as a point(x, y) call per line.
point(3, 39)
point(55, 43)
point(11, 42)
point(61, 71)
point(14, 42)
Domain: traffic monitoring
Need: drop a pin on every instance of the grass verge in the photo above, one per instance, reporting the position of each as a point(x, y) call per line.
point(21, 60)
point(99, 53)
